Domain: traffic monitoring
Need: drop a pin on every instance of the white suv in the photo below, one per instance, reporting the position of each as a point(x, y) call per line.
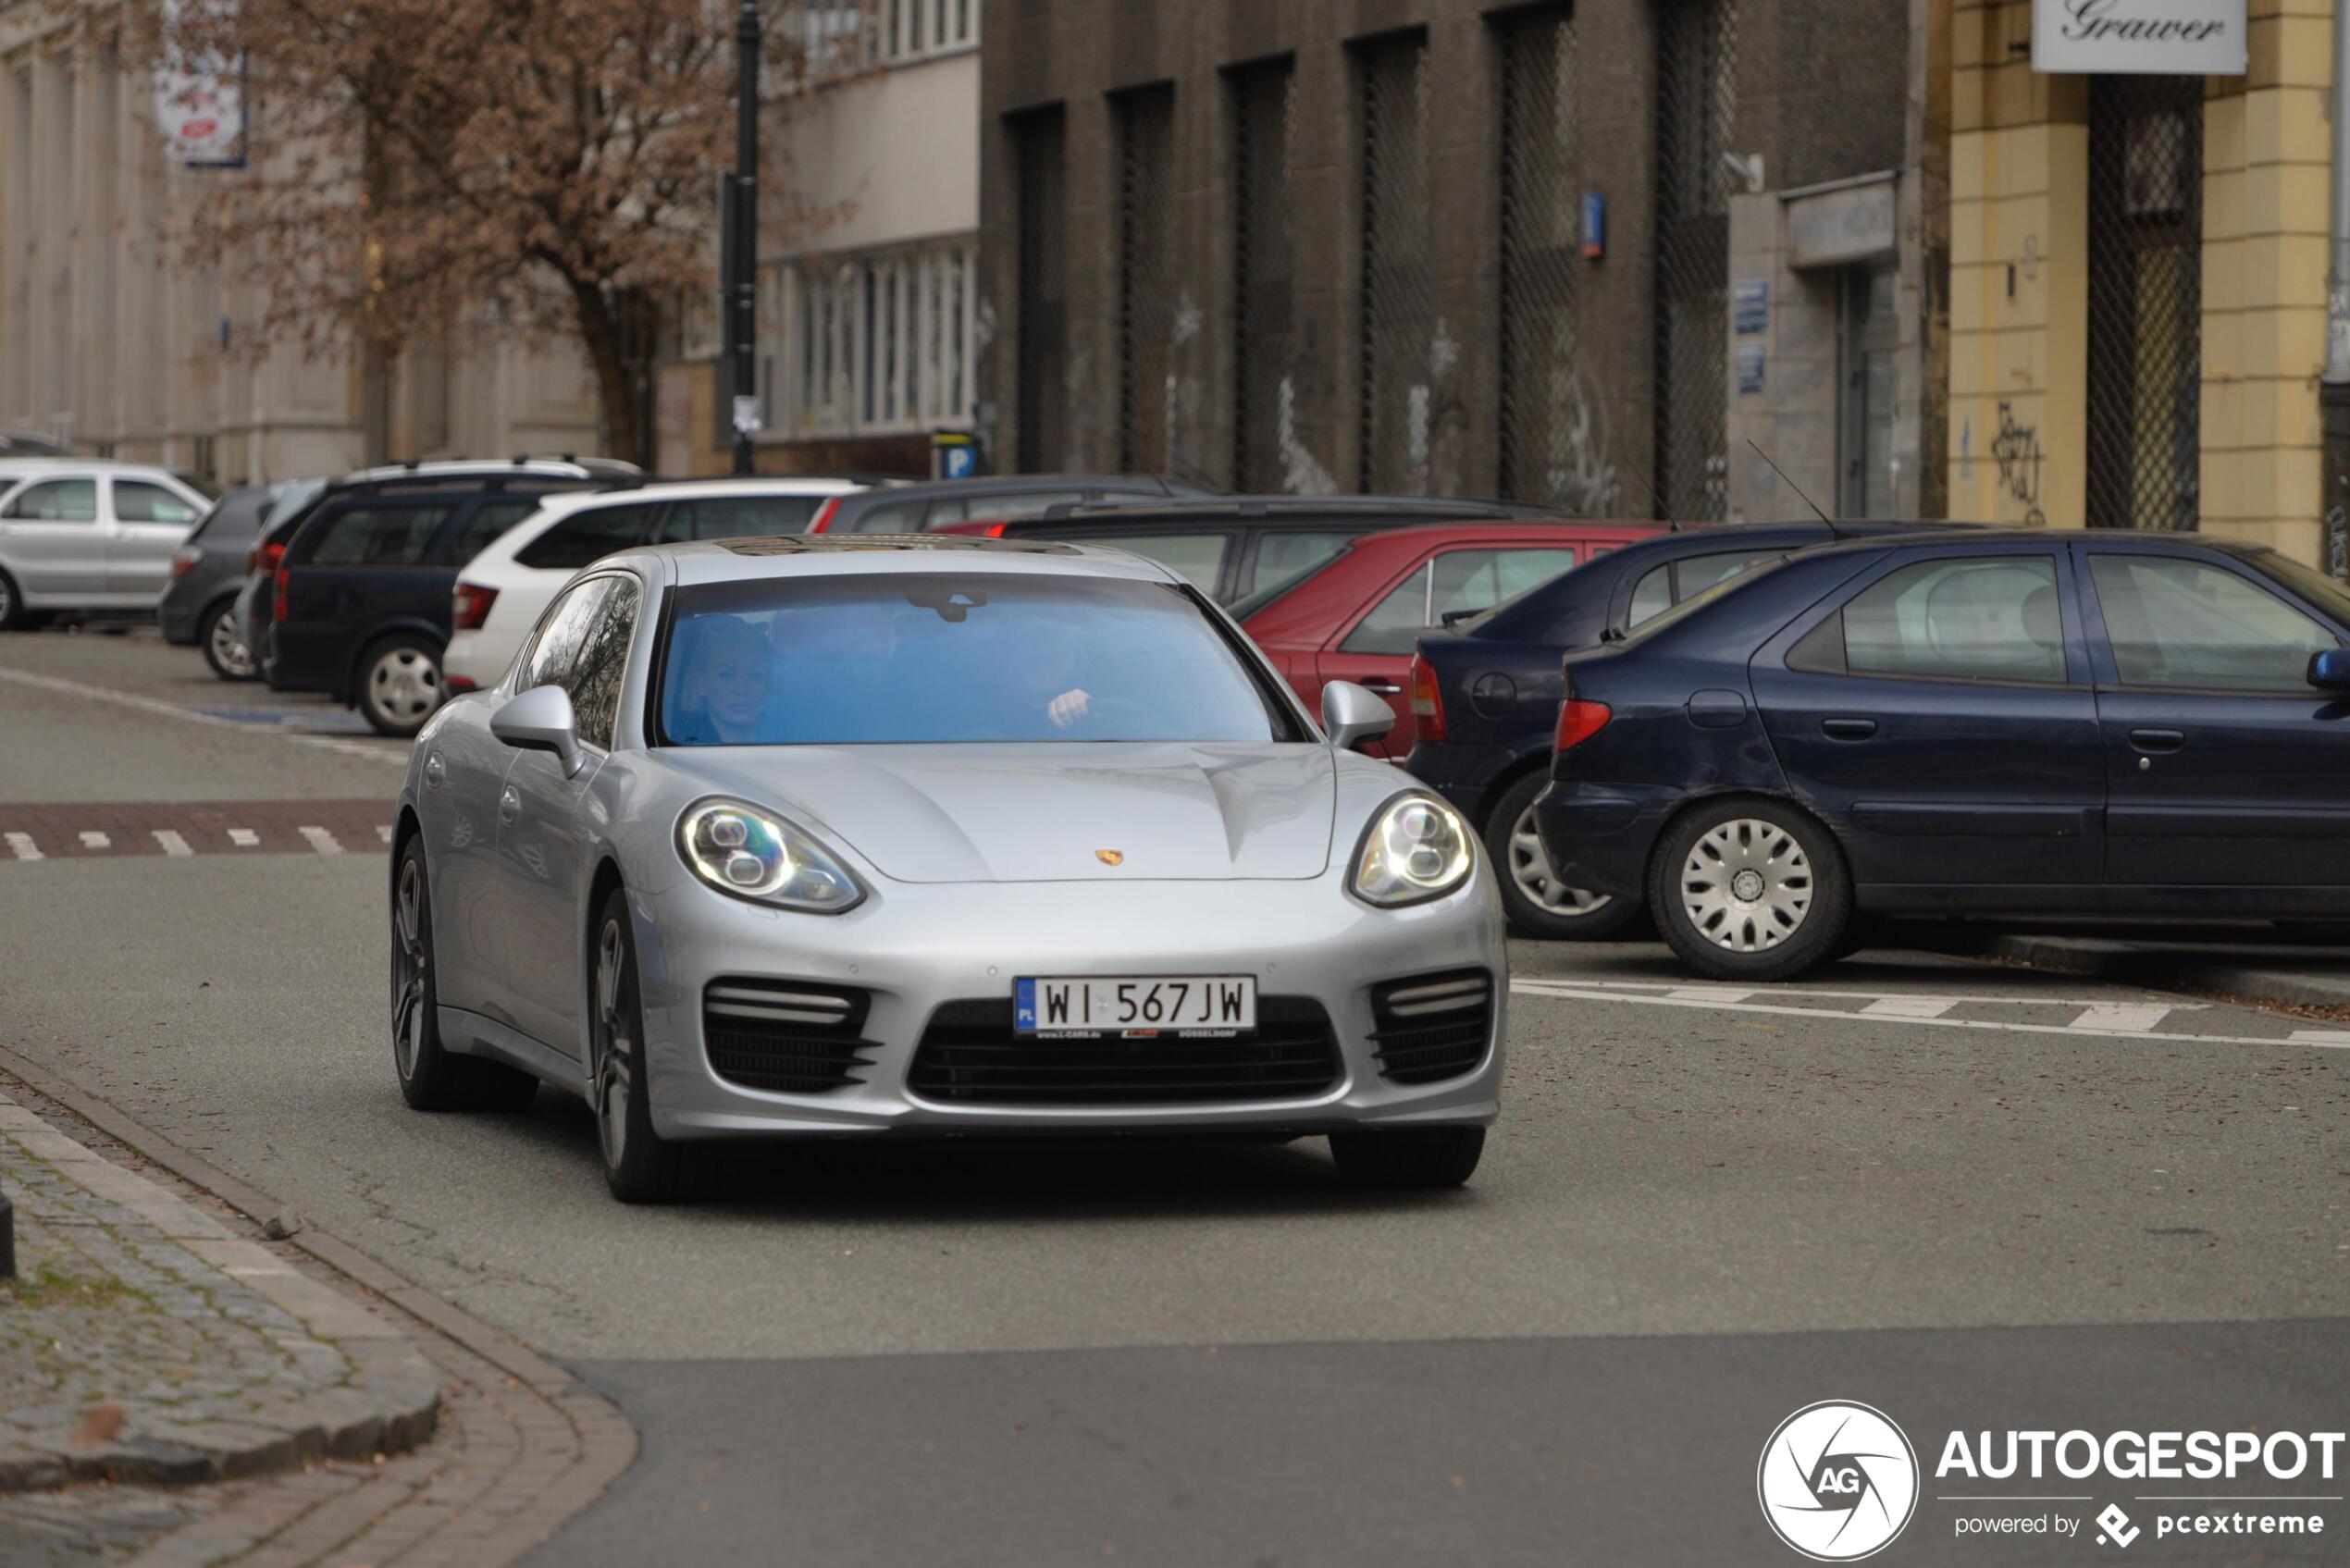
point(503, 592)
point(83, 534)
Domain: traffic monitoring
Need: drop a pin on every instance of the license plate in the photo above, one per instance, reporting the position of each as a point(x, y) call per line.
point(1191, 1007)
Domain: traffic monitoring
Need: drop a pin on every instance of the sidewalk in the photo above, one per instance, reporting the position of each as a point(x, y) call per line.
point(142, 1342)
point(2254, 962)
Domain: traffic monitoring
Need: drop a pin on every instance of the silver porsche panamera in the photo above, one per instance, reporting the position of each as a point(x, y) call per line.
point(808, 837)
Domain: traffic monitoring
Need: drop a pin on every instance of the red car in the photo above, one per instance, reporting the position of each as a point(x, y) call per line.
point(1356, 616)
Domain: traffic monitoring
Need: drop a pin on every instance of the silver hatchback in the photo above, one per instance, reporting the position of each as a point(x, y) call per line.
point(810, 837)
point(82, 535)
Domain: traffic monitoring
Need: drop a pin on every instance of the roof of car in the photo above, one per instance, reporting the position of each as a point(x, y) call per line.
point(719, 560)
point(477, 468)
point(1226, 509)
point(1972, 534)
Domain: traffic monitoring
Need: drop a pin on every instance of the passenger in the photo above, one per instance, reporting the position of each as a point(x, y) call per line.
point(722, 699)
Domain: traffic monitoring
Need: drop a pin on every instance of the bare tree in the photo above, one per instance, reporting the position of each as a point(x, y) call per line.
point(416, 164)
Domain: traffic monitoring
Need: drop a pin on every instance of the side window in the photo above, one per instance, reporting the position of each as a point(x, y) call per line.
point(2179, 623)
point(894, 517)
point(135, 500)
point(585, 536)
point(1654, 596)
point(998, 508)
point(58, 500)
point(1199, 557)
point(602, 662)
point(378, 536)
point(1280, 556)
point(490, 519)
point(555, 650)
point(1700, 573)
point(1394, 623)
point(739, 517)
point(1471, 581)
point(1982, 618)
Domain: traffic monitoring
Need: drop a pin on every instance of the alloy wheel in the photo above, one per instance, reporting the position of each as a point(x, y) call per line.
point(404, 686)
point(1530, 870)
point(411, 962)
point(1747, 885)
point(616, 1043)
point(229, 653)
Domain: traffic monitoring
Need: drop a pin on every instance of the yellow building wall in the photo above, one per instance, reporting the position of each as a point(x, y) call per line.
point(2019, 279)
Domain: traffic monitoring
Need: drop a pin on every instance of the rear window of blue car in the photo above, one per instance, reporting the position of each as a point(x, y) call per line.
point(906, 658)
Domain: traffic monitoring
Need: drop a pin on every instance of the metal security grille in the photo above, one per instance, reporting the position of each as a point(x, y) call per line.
point(1145, 121)
point(1550, 451)
point(1696, 103)
point(1040, 139)
point(1396, 397)
point(1263, 275)
point(2146, 300)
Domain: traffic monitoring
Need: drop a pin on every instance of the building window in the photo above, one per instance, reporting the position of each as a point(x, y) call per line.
point(1146, 278)
point(2146, 302)
point(1696, 103)
point(913, 30)
point(1040, 146)
point(1264, 277)
point(1396, 396)
point(1549, 452)
point(872, 344)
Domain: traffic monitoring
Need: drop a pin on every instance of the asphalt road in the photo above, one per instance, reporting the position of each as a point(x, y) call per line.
point(1971, 1196)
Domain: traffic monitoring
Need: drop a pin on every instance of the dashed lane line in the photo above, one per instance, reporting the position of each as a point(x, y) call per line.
point(21, 845)
point(173, 844)
point(397, 756)
point(2099, 1019)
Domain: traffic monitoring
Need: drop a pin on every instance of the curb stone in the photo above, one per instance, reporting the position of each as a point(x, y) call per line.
point(388, 1401)
point(2168, 966)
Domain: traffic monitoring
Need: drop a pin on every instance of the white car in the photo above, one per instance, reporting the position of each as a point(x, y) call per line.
point(501, 592)
point(81, 533)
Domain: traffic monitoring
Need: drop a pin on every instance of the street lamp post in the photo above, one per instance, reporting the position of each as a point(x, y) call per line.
point(742, 263)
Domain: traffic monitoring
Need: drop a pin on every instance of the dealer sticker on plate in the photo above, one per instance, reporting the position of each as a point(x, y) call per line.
point(1191, 1006)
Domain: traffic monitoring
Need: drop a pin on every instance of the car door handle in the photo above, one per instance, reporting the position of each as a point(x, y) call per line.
point(1382, 688)
point(1848, 729)
point(2158, 740)
point(509, 805)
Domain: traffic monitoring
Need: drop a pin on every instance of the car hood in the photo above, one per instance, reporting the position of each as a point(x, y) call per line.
point(1104, 811)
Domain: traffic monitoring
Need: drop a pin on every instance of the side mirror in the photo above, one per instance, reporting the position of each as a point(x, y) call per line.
point(1352, 714)
point(2330, 669)
point(541, 720)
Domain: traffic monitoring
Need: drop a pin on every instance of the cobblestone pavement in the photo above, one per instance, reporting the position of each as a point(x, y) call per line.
point(142, 1341)
point(519, 1448)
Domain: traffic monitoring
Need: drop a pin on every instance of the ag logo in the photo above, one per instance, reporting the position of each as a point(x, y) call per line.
point(1839, 1481)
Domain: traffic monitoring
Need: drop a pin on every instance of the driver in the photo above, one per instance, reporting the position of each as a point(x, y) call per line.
point(724, 696)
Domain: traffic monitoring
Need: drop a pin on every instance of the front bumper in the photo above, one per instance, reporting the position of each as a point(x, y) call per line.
point(917, 948)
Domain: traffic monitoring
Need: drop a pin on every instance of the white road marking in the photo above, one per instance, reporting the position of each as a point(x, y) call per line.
point(383, 833)
point(321, 840)
point(1709, 993)
point(1700, 992)
point(1662, 996)
point(243, 838)
point(396, 755)
point(1910, 1007)
point(173, 845)
point(2123, 1016)
point(21, 845)
point(92, 839)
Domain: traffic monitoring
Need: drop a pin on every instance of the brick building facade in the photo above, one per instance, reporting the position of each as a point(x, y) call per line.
point(1442, 246)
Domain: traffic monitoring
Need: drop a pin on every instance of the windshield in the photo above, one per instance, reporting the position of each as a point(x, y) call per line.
point(891, 659)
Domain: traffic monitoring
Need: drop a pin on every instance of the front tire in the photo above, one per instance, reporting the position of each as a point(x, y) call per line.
point(1408, 1158)
point(1538, 903)
point(639, 1165)
point(400, 685)
point(433, 1077)
point(1752, 890)
point(223, 641)
point(12, 613)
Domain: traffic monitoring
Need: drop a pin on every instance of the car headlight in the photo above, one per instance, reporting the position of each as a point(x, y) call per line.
point(1417, 848)
point(739, 849)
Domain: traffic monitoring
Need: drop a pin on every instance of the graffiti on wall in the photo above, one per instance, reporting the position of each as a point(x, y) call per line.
point(2016, 450)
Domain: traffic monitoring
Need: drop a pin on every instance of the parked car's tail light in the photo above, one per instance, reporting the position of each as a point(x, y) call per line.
point(278, 590)
point(265, 557)
point(1427, 702)
point(822, 522)
point(184, 559)
point(459, 684)
point(1579, 720)
point(996, 530)
point(470, 606)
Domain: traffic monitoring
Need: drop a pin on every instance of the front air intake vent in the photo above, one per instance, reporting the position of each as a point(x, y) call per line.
point(1431, 1027)
point(785, 1036)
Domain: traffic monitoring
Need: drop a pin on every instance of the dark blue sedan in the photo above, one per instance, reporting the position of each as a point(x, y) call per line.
point(2040, 723)
point(1486, 696)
